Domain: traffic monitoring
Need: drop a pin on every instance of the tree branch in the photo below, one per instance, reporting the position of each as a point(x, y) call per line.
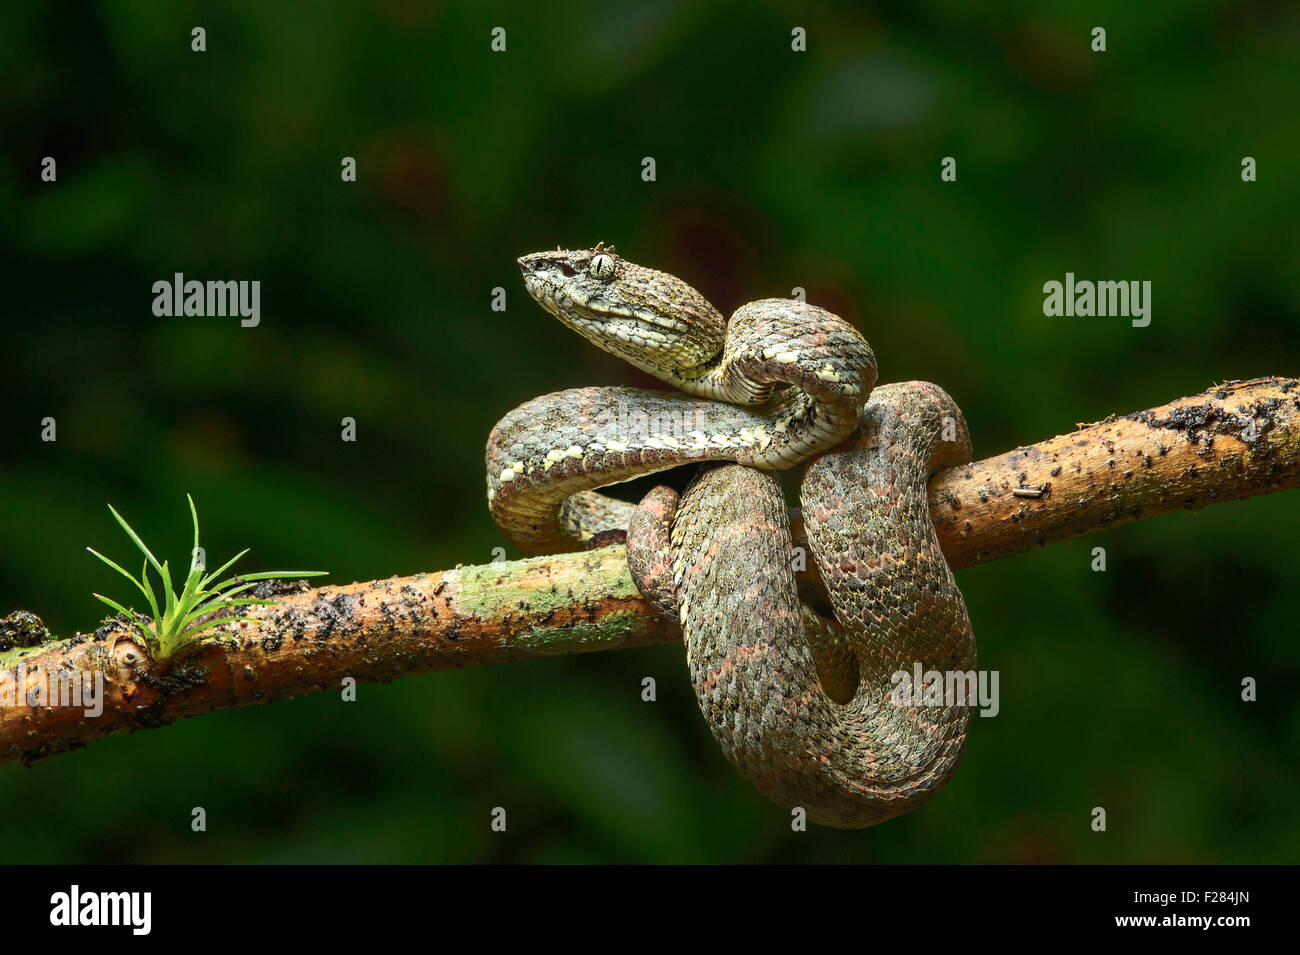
point(1231, 442)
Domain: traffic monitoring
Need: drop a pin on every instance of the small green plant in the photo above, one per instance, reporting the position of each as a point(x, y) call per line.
point(186, 617)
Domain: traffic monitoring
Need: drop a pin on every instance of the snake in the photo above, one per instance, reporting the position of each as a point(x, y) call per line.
point(806, 706)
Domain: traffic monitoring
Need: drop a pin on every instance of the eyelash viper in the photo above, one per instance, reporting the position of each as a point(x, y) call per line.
point(803, 706)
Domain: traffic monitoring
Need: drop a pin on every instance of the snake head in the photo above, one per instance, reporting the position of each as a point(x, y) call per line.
point(650, 319)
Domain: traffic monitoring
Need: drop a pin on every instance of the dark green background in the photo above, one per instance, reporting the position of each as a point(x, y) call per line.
point(775, 169)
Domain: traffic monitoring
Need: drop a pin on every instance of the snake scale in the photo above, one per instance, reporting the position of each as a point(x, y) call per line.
point(799, 703)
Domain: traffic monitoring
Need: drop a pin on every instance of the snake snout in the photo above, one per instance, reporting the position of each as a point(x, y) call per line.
point(550, 265)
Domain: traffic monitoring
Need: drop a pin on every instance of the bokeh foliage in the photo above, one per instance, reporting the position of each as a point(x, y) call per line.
point(775, 170)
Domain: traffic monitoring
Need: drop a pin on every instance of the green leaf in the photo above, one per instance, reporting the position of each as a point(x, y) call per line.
point(148, 591)
point(215, 595)
point(223, 568)
point(223, 605)
point(138, 543)
point(270, 575)
point(194, 551)
point(189, 636)
point(169, 593)
point(131, 616)
point(189, 596)
point(139, 586)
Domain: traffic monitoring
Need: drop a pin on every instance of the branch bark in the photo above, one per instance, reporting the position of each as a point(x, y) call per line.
point(1231, 442)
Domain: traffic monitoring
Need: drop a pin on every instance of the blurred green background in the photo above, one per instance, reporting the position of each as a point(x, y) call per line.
point(775, 169)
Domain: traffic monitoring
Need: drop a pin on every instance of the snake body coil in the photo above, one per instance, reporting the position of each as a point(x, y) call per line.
point(803, 706)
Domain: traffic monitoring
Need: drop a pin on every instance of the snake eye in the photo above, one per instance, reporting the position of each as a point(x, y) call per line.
point(602, 266)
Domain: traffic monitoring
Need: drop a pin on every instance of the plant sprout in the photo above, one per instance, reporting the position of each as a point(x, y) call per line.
point(184, 618)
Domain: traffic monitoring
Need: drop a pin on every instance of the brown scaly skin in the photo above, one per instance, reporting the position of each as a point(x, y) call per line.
point(766, 670)
point(650, 560)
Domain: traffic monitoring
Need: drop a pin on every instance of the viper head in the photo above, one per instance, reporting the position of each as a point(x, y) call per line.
point(651, 319)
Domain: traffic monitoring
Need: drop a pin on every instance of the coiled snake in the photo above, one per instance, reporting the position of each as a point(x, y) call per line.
point(802, 706)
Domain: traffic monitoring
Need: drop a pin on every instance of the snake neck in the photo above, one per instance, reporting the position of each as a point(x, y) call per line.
point(660, 324)
point(824, 365)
